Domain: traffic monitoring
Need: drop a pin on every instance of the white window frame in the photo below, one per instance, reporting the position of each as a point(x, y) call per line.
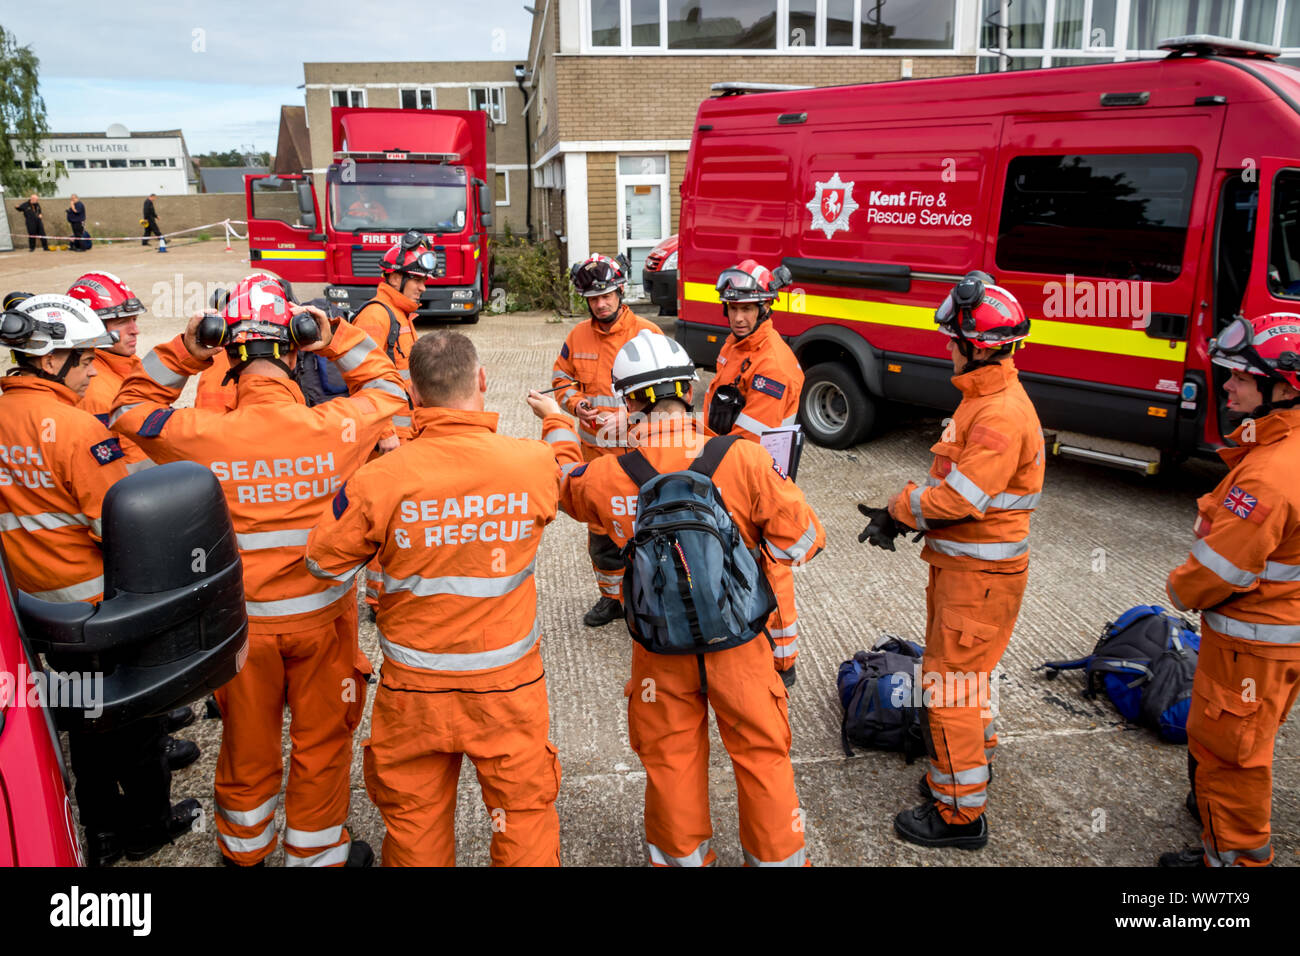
point(495, 110)
point(506, 174)
point(783, 45)
point(349, 90)
point(417, 90)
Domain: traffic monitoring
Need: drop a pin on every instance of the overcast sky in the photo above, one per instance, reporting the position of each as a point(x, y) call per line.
point(221, 72)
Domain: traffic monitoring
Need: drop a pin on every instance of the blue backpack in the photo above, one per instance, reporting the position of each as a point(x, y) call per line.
point(881, 710)
point(691, 585)
point(1144, 661)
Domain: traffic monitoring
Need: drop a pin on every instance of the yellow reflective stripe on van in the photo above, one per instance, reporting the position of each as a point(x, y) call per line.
point(292, 253)
point(1069, 335)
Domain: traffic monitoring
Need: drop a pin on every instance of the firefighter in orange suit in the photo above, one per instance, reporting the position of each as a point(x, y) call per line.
point(458, 618)
point(582, 373)
point(117, 307)
point(1243, 575)
point(389, 320)
point(669, 695)
point(974, 511)
point(56, 464)
point(280, 464)
point(216, 389)
point(755, 390)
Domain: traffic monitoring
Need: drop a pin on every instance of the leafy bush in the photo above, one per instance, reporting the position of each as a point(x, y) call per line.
point(530, 273)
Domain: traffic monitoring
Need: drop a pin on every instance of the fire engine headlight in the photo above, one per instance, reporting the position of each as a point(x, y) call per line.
point(338, 295)
point(462, 294)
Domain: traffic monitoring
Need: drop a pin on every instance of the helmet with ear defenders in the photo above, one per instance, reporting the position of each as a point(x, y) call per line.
point(258, 321)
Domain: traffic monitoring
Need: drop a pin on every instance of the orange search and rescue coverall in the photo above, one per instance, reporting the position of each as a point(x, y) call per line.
point(279, 463)
point(985, 481)
point(462, 675)
point(762, 366)
point(111, 370)
point(586, 365)
point(668, 696)
point(1244, 576)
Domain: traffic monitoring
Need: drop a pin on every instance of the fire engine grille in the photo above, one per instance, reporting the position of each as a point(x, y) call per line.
point(365, 262)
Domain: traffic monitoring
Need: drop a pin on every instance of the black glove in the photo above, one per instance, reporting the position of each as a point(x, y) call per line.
point(882, 529)
point(787, 677)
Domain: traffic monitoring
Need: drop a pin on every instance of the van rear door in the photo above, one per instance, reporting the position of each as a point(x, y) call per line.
point(284, 231)
point(1274, 284)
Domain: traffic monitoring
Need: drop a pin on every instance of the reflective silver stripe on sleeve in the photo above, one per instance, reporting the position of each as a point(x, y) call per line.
point(604, 578)
point(345, 576)
point(695, 858)
point(354, 356)
point(45, 521)
point(932, 482)
point(97, 526)
point(983, 550)
point(311, 839)
point(751, 424)
point(475, 587)
point(560, 434)
point(405, 373)
point(1221, 566)
point(249, 818)
point(401, 421)
point(974, 775)
point(160, 373)
point(374, 575)
point(261, 540)
point(792, 420)
point(590, 438)
point(605, 401)
point(914, 503)
point(1269, 633)
point(967, 800)
point(799, 548)
point(1009, 502)
point(73, 592)
point(386, 386)
point(248, 844)
point(119, 412)
point(334, 856)
point(1277, 571)
point(789, 631)
point(798, 858)
point(424, 660)
point(782, 651)
point(140, 465)
point(968, 490)
point(298, 605)
point(565, 469)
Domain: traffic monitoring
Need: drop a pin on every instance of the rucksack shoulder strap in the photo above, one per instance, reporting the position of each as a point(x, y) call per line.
point(636, 467)
point(394, 327)
point(714, 450)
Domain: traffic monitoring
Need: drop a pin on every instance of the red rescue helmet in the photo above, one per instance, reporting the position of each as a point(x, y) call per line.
point(982, 313)
point(221, 295)
point(411, 256)
point(750, 282)
point(597, 275)
point(109, 296)
point(1267, 346)
point(257, 321)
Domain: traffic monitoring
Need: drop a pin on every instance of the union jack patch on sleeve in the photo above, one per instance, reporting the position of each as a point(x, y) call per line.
point(107, 451)
point(1240, 502)
point(777, 468)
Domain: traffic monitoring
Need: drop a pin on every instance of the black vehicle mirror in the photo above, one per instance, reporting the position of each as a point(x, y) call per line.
point(173, 625)
point(306, 202)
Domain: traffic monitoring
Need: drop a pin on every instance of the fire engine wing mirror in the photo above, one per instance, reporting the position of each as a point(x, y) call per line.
point(484, 203)
point(781, 277)
point(172, 625)
point(306, 201)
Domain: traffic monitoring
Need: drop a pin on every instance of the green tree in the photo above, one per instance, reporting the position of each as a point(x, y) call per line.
point(22, 121)
point(233, 157)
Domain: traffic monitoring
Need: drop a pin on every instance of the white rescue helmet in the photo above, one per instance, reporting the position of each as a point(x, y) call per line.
point(48, 322)
point(650, 367)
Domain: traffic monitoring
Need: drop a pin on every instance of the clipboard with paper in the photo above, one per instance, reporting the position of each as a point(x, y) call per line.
point(785, 445)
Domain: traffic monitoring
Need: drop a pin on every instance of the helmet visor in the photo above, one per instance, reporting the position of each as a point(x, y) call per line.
point(736, 285)
point(1235, 338)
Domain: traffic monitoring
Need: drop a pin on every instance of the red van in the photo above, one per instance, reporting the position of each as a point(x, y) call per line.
point(1119, 202)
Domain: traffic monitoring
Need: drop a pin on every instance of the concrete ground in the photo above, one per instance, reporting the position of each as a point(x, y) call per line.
point(1074, 785)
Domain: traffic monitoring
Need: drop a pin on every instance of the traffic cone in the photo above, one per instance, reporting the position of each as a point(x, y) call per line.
point(162, 244)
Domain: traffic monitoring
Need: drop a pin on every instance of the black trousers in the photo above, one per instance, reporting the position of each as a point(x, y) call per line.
point(132, 758)
point(78, 230)
point(34, 233)
point(150, 230)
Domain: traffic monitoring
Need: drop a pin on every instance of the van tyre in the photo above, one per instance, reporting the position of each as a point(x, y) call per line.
point(834, 408)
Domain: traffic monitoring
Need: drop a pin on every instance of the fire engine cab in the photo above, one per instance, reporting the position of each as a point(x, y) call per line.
point(1133, 208)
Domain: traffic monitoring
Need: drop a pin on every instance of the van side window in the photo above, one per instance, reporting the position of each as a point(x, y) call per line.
point(1284, 236)
point(1114, 215)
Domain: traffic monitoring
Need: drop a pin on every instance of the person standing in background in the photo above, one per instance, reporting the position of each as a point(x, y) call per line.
point(35, 222)
point(77, 223)
point(150, 216)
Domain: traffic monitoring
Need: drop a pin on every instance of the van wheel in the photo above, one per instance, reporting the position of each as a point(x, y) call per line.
point(834, 409)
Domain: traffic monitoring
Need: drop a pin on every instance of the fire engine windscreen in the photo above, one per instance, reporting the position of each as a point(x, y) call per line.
point(396, 197)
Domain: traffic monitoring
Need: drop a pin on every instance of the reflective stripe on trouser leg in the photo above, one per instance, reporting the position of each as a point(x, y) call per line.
point(990, 736)
point(783, 624)
point(374, 582)
point(607, 562)
point(1233, 749)
point(249, 764)
point(971, 615)
point(668, 727)
point(326, 696)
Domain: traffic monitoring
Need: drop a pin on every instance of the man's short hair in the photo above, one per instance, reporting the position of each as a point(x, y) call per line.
point(443, 366)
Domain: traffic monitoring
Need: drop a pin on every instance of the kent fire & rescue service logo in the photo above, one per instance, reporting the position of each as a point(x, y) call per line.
point(832, 205)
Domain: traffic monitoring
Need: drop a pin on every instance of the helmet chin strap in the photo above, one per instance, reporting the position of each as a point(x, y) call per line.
point(1269, 405)
point(238, 363)
point(59, 378)
point(612, 316)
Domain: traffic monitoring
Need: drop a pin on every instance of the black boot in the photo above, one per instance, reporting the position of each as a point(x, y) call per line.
point(103, 848)
point(180, 753)
point(923, 788)
point(145, 843)
point(178, 718)
point(1192, 856)
point(605, 610)
point(359, 855)
point(925, 826)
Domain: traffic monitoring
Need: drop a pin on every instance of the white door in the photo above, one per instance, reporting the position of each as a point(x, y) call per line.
point(643, 210)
